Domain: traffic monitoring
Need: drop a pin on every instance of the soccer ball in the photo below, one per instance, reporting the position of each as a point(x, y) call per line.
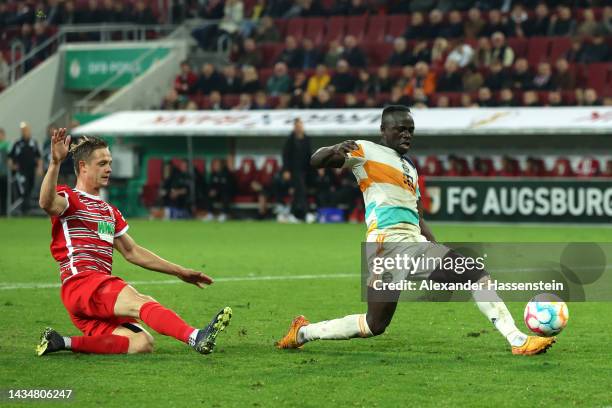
point(546, 315)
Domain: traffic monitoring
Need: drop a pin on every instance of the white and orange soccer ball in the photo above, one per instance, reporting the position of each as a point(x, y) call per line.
point(546, 316)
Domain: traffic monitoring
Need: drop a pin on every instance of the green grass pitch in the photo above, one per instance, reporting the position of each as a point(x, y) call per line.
point(431, 355)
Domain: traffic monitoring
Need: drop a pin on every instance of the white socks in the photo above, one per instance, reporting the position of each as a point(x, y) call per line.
point(192, 337)
point(338, 329)
point(67, 343)
point(499, 315)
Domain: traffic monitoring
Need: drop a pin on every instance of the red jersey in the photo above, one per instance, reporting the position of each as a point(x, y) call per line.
point(83, 235)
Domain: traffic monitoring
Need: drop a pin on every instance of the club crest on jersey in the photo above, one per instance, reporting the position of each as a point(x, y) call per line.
point(106, 231)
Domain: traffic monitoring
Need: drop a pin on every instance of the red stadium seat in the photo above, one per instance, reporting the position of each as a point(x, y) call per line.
point(599, 77)
point(562, 168)
point(559, 47)
point(281, 24)
point(245, 175)
point(519, 46)
point(335, 29)
point(377, 27)
point(377, 53)
point(155, 170)
point(267, 171)
point(270, 53)
point(314, 29)
point(356, 26)
point(396, 25)
point(538, 50)
point(588, 167)
point(433, 166)
point(296, 27)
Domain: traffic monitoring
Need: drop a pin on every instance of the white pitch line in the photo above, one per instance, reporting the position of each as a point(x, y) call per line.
point(13, 286)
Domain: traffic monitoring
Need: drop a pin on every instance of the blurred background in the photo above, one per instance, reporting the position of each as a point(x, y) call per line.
point(199, 100)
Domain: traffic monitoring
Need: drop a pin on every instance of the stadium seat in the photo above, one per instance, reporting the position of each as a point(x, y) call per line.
point(315, 28)
point(155, 169)
point(562, 168)
point(356, 26)
point(433, 166)
point(270, 53)
point(559, 47)
point(588, 167)
point(268, 170)
point(296, 27)
point(335, 29)
point(396, 25)
point(519, 46)
point(599, 77)
point(245, 175)
point(377, 53)
point(538, 50)
point(377, 27)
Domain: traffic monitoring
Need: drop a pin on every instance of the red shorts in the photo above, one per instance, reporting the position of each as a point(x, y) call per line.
point(89, 298)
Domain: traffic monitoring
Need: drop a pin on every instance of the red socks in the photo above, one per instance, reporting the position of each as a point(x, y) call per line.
point(103, 344)
point(165, 321)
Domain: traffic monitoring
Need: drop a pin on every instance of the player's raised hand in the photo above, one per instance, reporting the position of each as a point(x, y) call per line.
point(346, 147)
point(60, 145)
point(194, 277)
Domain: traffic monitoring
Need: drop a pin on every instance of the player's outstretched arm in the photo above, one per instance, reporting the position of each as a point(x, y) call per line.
point(425, 230)
point(49, 200)
point(134, 253)
point(333, 156)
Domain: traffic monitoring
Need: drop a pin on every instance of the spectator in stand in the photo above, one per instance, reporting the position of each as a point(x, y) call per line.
point(588, 167)
point(398, 97)
point(352, 53)
point(590, 98)
point(306, 101)
point(420, 100)
point(562, 23)
point(292, 55)
point(406, 78)
point(608, 171)
point(342, 81)
point(483, 168)
point(484, 53)
point(436, 24)
point(574, 54)
point(474, 25)
point(348, 8)
point(266, 31)
point(172, 101)
point(334, 54)
point(538, 25)
point(535, 168)
point(530, 99)
point(325, 186)
point(607, 21)
point(450, 80)
point(506, 98)
point(244, 103)
point(142, 14)
point(284, 101)
point(422, 5)
point(175, 191)
point(452, 5)
point(365, 83)
point(215, 101)
point(485, 98)
point(277, 8)
point(467, 102)
point(280, 82)
point(496, 24)
point(542, 81)
point(521, 76)
point(421, 52)
point(319, 80)
point(461, 53)
point(509, 167)
point(401, 56)
point(25, 163)
point(260, 101)
point(233, 17)
point(518, 24)
point(306, 8)
point(562, 168)
point(415, 29)
point(438, 53)
point(382, 81)
point(423, 79)
point(397, 6)
point(230, 83)
point(454, 28)
point(296, 161)
point(121, 15)
point(250, 80)
point(250, 55)
point(457, 167)
point(311, 57)
point(323, 100)
point(209, 80)
point(563, 79)
point(4, 73)
point(300, 83)
point(185, 82)
point(589, 26)
point(501, 51)
point(433, 166)
point(443, 102)
point(596, 50)
point(351, 101)
point(472, 79)
point(498, 78)
point(554, 99)
point(220, 190)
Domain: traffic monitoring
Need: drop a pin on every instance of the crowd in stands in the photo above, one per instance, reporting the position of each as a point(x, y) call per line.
point(441, 54)
point(270, 188)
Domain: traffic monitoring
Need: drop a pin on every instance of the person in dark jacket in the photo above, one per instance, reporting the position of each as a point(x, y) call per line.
point(296, 162)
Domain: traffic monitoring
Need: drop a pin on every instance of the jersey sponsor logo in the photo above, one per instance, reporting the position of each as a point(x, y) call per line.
point(106, 231)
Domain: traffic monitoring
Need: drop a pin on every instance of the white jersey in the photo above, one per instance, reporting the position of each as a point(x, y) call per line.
point(389, 183)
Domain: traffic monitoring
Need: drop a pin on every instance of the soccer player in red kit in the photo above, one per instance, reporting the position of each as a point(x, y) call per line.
point(85, 229)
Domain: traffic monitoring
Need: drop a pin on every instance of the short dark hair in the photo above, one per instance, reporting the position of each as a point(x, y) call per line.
point(391, 109)
point(82, 149)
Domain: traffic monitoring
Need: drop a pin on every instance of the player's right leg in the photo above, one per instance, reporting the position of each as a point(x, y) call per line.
point(131, 303)
point(373, 323)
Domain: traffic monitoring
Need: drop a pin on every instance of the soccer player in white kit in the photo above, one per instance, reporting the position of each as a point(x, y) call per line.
point(389, 182)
